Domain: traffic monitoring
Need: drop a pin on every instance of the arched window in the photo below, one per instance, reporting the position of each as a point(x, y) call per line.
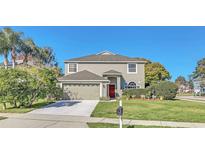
point(132, 85)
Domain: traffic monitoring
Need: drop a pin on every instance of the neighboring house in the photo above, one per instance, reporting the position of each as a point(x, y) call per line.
point(184, 89)
point(199, 86)
point(101, 75)
point(20, 60)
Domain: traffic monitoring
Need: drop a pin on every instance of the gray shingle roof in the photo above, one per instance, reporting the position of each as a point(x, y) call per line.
point(106, 57)
point(82, 75)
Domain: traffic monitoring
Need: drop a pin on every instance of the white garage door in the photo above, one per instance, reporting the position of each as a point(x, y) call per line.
point(81, 91)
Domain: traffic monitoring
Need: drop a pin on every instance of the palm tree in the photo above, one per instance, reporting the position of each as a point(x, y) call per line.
point(27, 47)
point(41, 56)
point(14, 43)
point(10, 41)
point(46, 56)
point(4, 47)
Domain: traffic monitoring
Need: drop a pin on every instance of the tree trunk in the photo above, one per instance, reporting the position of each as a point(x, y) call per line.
point(4, 106)
point(15, 104)
point(25, 60)
point(6, 59)
point(13, 56)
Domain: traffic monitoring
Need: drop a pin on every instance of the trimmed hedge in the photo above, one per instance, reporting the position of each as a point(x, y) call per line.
point(134, 93)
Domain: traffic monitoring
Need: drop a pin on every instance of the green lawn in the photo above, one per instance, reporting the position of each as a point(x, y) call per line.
point(36, 105)
point(176, 110)
point(107, 125)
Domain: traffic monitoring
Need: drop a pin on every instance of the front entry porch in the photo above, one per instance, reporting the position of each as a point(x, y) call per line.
point(114, 87)
point(111, 91)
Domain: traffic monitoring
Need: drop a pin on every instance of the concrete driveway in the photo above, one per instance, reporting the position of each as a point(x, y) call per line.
point(69, 107)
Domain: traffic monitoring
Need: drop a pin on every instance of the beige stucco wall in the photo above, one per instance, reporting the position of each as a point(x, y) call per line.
point(81, 91)
point(99, 68)
point(104, 90)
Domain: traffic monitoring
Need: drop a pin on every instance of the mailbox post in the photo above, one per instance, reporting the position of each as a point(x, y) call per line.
point(120, 113)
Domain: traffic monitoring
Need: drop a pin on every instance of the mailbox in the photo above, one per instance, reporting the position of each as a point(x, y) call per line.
point(120, 111)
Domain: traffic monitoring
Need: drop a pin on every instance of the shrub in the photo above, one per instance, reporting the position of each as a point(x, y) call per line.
point(23, 86)
point(165, 89)
point(134, 93)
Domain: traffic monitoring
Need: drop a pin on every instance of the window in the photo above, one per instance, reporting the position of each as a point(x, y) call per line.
point(72, 68)
point(132, 85)
point(132, 68)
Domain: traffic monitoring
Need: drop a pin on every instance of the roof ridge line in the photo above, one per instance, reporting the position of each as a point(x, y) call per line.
point(106, 52)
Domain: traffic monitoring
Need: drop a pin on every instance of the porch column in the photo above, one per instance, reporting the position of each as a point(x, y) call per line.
point(118, 86)
point(101, 90)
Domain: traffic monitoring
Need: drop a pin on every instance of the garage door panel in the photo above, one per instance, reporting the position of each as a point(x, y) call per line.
point(81, 91)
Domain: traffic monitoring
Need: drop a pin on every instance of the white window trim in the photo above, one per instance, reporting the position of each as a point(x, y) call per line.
point(132, 72)
point(76, 68)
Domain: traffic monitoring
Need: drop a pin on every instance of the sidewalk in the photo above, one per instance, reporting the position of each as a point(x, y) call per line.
point(53, 121)
point(192, 98)
point(10, 115)
point(155, 123)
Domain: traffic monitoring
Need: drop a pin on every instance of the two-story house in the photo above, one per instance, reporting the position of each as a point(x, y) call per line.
point(101, 75)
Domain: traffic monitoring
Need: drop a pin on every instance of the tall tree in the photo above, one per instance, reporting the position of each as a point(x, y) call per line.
point(191, 84)
point(180, 81)
point(155, 72)
point(199, 70)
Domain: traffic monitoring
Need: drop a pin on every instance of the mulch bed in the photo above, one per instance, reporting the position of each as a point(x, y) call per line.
point(157, 99)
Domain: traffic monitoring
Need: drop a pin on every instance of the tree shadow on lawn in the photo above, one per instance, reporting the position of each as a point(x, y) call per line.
point(41, 104)
point(62, 104)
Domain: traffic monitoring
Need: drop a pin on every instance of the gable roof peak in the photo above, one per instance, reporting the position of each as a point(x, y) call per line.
point(105, 53)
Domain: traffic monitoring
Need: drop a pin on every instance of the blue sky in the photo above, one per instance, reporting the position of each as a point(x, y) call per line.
point(177, 48)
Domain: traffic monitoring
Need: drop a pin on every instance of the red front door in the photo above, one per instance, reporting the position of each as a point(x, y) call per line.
point(112, 91)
